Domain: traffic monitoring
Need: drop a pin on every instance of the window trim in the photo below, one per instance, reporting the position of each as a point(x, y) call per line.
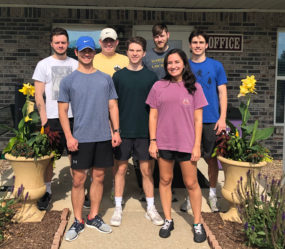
point(277, 78)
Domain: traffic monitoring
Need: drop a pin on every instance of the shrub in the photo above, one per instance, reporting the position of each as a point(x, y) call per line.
point(7, 208)
point(262, 212)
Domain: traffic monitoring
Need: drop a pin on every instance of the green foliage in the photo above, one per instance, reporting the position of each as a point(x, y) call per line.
point(7, 208)
point(245, 148)
point(263, 212)
point(29, 142)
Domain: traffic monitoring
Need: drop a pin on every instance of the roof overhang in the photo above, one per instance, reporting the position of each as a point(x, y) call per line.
point(165, 5)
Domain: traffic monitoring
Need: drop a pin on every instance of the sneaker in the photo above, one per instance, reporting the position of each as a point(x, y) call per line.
point(168, 226)
point(199, 233)
point(152, 215)
point(75, 229)
point(98, 223)
point(116, 219)
point(212, 201)
point(86, 203)
point(185, 206)
point(44, 202)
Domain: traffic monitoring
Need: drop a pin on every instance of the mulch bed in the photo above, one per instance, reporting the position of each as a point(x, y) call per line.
point(228, 234)
point(33, 235)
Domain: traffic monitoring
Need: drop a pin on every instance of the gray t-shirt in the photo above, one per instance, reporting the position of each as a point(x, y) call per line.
point(89, 95)
point(154, 62)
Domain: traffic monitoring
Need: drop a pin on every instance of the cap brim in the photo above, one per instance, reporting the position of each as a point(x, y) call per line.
point(86, 47)
point(104, 38)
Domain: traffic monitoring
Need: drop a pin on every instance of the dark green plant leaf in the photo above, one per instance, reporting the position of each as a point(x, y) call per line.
point(35, 117)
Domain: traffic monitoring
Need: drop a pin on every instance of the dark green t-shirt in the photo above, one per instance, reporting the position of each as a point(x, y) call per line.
point(132, 88)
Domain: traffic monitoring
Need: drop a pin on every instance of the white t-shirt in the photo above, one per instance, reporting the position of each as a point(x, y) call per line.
point(51, 71)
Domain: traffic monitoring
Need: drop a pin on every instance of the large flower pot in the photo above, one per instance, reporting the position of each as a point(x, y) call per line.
point(29, 173)
point(233, 171)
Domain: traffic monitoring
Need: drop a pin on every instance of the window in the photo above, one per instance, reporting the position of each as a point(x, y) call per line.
point(280, 79)
point(76, 30)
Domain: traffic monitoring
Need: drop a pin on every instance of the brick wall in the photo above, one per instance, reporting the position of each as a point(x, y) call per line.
point(24, 40)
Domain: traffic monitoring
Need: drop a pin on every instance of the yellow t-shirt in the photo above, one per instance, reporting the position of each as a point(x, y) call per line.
point(110, 65)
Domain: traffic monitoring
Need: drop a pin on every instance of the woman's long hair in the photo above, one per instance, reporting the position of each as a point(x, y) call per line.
point(188, 77)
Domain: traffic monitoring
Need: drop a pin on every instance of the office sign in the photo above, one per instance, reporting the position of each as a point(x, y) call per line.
point(225, 43)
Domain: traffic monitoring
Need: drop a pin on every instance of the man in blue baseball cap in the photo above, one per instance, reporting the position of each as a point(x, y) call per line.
point(85, 42)
point(92, 96)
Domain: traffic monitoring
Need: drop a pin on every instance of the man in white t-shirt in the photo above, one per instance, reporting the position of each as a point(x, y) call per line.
point(47, 76)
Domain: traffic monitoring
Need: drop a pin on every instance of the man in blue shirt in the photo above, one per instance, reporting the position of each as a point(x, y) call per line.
point(92, 96)
point(212, 77)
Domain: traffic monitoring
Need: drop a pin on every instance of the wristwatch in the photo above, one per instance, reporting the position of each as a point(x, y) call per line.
point(117, 130)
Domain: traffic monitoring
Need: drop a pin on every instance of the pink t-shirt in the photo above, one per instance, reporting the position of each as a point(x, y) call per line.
point(175, 106)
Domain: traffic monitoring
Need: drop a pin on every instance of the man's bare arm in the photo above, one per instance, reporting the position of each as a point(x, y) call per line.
point(223, 99)
point(39, 98)
point(114, 116)
point(71, 142)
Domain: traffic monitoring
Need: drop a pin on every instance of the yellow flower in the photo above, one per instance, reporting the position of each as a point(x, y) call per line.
point(42, 130)
point(3, 204)
point(249, 83)
point(237, 134)
point(30, 107)
point(27, 119)
point(28, 89)
point(243, 91)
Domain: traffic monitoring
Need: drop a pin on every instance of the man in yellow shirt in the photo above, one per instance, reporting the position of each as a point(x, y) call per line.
point(108, 61)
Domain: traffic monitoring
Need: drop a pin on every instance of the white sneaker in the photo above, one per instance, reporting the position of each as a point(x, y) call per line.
point(116, 219)
point(212, 201)
point(152, 215)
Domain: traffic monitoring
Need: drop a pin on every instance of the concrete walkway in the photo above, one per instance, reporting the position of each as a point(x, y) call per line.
point(136, 232)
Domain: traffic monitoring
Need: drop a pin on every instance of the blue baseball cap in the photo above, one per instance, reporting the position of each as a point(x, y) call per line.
point(85, 42)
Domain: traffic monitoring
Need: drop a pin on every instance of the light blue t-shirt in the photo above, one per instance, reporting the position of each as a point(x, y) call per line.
point(89, 96)
point(210, 74)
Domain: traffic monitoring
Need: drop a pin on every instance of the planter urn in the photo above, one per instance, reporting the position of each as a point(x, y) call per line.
point(29, 173)
point(233, 171)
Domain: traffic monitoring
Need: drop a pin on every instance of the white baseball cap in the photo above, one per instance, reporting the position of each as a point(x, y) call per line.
point(108, 33)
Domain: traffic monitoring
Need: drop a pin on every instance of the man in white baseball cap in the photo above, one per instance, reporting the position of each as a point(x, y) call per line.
point(108, 61)
point(108, 33)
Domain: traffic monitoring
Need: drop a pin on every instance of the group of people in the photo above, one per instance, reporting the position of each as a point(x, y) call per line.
point(153, 104)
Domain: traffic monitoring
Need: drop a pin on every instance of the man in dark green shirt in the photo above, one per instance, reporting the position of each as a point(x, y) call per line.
point(133, 84)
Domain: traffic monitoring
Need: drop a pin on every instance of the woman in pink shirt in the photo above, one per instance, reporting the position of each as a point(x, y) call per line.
point(175, 126)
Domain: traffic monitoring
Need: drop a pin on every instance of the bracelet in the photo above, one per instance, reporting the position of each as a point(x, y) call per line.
point(117, 130)
point(153, 139)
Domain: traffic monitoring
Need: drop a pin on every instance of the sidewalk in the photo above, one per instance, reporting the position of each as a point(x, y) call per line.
point(136, 232)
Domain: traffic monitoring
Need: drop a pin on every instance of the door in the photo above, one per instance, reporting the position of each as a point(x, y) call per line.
point(178, 36)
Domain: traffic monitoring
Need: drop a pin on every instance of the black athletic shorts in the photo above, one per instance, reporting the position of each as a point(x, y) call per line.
point(89, 155)
point(137, 147)
point(55, 125)
point(209, 138)
point(174, 155)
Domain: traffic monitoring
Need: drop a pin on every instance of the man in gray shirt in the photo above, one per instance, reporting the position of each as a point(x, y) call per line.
point(92, 96)
point(155, 57)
